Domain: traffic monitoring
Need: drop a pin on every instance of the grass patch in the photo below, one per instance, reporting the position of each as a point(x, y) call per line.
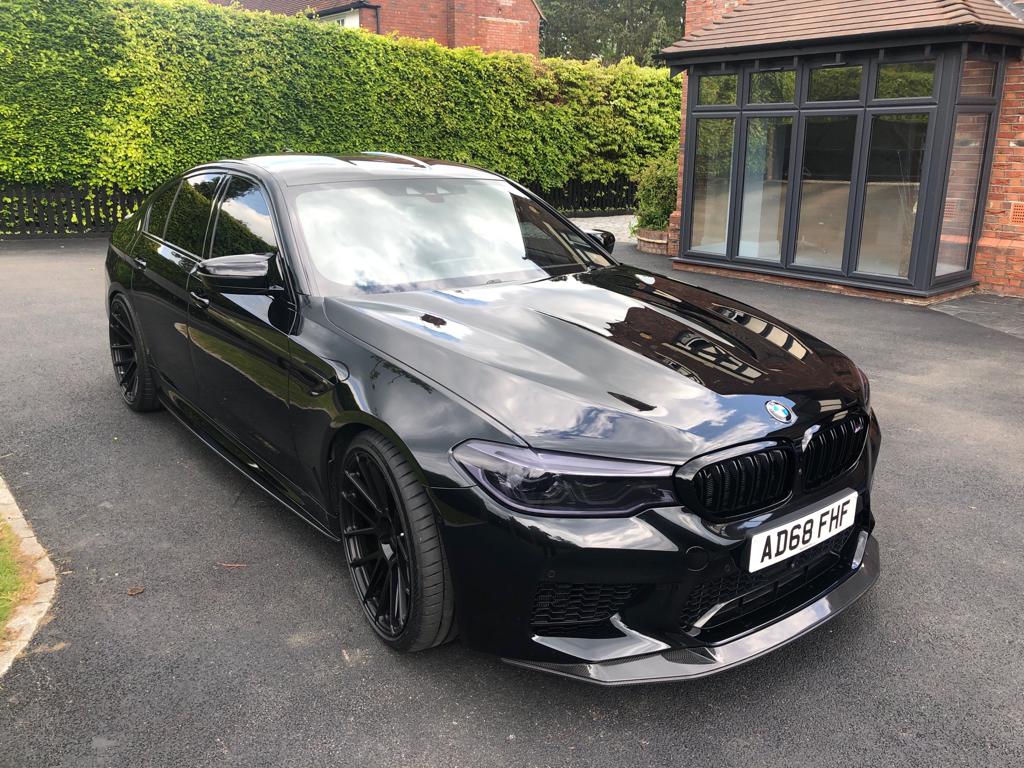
point(12, 577)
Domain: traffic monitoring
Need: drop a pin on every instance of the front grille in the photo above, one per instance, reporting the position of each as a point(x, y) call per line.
point(559, 606)
point(746, 592)
point(744, 483)
point(833, 450)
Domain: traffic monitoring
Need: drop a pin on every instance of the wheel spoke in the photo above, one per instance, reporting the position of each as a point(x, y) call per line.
point(401, 604)
point(359, 562)
point(127, 377)
point(123, 326)
point(373, 584)
point(381, 592)
point(357, 506)
point(358, 485)
point(377, 485)
point(359, 531)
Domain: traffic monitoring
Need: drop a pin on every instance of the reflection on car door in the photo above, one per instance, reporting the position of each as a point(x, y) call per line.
point(170, 246)
point(240, 341)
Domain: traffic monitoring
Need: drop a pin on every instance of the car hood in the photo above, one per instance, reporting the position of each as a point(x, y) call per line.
point(614, 362)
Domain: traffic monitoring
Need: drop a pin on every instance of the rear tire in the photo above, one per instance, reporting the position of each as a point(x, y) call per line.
point(128, 355)
point(393, 547)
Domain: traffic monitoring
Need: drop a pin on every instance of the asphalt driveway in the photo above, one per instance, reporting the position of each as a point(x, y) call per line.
point(246, 646)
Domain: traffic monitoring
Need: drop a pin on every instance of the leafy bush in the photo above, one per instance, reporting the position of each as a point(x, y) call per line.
point(128, 92)
point(656, 191)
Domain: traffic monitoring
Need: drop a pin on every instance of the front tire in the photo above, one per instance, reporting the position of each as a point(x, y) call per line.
point(128, 355)
point(393, 546)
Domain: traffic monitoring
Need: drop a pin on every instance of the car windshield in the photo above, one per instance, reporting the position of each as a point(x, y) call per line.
point(390, 235)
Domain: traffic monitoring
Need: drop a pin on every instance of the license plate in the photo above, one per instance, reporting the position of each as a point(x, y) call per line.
point(782, 542)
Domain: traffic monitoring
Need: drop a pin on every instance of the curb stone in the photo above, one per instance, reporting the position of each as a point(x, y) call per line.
point(27, 617)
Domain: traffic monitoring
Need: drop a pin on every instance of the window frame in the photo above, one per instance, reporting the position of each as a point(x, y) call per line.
point(788, 220)
point(286, 266)
point(204, 247)
point(691, 153)
point(176, 183)
point(943, 107)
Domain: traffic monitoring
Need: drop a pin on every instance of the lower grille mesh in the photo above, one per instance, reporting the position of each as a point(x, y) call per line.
point(560, 604)
point(752, 591)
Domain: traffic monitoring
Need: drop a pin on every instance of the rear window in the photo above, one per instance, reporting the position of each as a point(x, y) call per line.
point(159, 208)
point(186, 225)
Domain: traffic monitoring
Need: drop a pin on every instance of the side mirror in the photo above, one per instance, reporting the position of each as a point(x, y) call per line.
point(242, 273)
point(604, 237)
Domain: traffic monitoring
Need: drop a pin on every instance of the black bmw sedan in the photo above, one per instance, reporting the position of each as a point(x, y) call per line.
point(580, 466)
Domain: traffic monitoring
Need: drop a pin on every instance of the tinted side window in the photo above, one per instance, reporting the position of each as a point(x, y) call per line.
point(186, 225)
point(244, 224)
point(159, 208)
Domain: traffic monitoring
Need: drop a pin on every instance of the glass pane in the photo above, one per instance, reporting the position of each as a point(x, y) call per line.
point(159, 208)
point(186, 227)
point(906, 80)
point(765, 183)
point(962, 192)
point(393, 235)
point(243, 224)
point(978, 78)
point(890, 196)
point(835, 84)
point(716, 89)
point(712, 173)
point(827, 168)
point(773, 87)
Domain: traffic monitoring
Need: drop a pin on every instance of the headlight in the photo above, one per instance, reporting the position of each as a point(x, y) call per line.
point(865, 387)
point(565, 484)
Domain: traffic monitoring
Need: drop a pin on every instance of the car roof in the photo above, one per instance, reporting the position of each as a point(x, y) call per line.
point(295, 169)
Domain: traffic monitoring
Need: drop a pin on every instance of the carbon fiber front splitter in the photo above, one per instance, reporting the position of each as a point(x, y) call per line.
point(689, 663)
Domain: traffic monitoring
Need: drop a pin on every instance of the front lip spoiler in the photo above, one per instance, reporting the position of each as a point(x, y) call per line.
point(691, 663)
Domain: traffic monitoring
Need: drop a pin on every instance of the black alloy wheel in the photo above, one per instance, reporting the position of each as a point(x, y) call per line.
point(128, 356)
point(393, 547)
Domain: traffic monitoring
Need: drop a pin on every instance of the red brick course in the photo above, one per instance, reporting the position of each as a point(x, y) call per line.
point(493, 25)
point(999, 259)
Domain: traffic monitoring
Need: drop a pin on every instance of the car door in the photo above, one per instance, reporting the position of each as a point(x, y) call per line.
point(240, 346)
point(168, 250)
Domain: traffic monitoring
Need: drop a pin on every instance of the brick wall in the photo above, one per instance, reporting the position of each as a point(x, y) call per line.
point(999, 261)
point(508, 25)
point(494, 25)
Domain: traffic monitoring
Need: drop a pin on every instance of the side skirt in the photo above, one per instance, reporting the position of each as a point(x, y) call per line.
point(176, 407)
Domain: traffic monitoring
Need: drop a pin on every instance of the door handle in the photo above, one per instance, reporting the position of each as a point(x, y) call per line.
point(316, 383)
point(140, 263)
point(199, 300)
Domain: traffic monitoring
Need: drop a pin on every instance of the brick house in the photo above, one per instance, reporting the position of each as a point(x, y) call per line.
point(871, 145)
point(494, 25)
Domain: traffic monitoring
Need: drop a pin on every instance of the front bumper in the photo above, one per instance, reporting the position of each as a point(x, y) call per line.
point(664, 594)
point(689, 663)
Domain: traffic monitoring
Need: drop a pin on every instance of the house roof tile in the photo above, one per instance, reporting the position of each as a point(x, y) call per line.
point(773, 23)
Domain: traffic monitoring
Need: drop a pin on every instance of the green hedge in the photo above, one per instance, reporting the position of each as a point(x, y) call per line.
point(656, 191)
point(127, 92)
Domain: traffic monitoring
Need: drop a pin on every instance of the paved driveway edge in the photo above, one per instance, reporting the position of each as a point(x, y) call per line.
point(27, 617)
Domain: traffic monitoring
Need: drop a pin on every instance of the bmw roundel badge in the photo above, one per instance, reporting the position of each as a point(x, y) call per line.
point(780, 412)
